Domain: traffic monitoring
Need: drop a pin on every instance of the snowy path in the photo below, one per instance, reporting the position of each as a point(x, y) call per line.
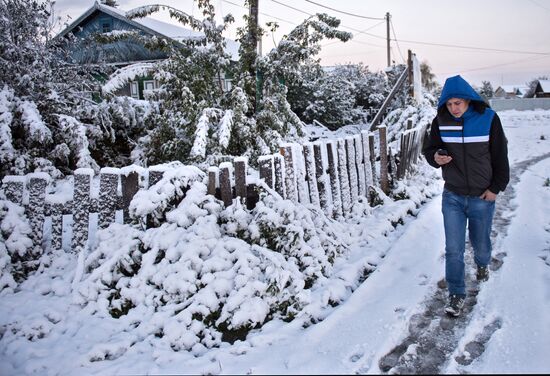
point(434, 338)
point(394, 322)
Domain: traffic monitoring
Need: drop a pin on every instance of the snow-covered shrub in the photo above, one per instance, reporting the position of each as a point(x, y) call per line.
point(166, 194)
point(18, 257)
point(209, 274)
point(304, 235)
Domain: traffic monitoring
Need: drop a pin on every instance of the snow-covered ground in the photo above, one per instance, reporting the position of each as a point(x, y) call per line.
point(54, 336)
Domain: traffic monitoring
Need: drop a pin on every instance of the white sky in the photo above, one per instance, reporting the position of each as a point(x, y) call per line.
point(353, 335)
point(518, 29)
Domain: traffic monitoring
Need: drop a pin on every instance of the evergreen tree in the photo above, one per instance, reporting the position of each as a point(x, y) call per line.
point(111, 3)
point(428, 78)
point(486, 90)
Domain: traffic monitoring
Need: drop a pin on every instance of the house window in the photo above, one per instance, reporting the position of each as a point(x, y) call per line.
point(134, 90)
point(106, 25)
point(149, 85)
point(228, 84)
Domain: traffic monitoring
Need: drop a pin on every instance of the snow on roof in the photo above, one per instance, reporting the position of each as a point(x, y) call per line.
point(545, 85)
point(149, 24)
point(509, 88)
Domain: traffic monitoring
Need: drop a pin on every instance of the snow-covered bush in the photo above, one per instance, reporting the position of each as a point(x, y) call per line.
point(209, 274)
point(338, 96)
point(18, 257)
point(301, 234)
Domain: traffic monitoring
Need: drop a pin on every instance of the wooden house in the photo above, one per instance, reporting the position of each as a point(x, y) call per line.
point(542, 89)
point(100, 18)
point(510, 91)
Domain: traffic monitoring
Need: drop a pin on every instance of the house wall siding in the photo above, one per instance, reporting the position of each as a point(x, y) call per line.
point(119, 52)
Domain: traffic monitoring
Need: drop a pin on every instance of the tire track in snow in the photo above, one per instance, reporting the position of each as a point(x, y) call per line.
point(433, 336)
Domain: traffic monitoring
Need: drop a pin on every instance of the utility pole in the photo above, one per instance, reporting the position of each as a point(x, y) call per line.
point(254, 89)
point(253, 22)
point(388, 37)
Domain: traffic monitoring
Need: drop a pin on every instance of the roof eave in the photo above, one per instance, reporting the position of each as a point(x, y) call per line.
point(100, 7)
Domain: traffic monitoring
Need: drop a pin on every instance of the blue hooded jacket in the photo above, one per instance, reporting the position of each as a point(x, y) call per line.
point(457, 87)
point(475, 141)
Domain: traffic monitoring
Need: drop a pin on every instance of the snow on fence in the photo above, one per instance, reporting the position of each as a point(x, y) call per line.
point(330, 174)
point(411, 145)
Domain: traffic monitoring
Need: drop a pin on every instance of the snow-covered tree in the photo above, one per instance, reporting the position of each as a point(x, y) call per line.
point(197, 121)
point(486, 90)
point(43, 98)
point(111, 3)
point(332, 103)
point(429, 81)
point(285, 64)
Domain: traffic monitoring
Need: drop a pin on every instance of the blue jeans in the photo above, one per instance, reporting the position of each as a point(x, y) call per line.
point(478, 213)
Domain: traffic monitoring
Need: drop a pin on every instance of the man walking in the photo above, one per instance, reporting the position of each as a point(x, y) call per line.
point(467, 142)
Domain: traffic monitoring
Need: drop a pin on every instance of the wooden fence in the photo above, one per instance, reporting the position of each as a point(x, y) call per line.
point(330, 174)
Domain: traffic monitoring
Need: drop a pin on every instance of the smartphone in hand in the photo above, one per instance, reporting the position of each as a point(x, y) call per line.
point(442, 152)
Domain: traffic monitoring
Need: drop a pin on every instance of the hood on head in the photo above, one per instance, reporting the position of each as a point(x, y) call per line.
point(457, 87)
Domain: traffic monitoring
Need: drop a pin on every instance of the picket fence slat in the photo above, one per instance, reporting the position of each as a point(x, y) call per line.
point(343, 176)
point(266, 169)
point(289, 175)
point(279, 175)
point(240, 178)
point(311, 176)
point(81, 208)
point(108, 182)
point(333, 168)
point(384, 179)
point(35, 210)
point(321, 177)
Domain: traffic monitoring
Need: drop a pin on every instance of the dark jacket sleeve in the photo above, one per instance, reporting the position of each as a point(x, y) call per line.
point(498, 145)
point(432, 142)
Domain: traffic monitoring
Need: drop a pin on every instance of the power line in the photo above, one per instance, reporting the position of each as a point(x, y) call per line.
point(263, 14)
point(340, 11)
point(472, 48)
point(501, 65)
point(358, 41)
point(395, 36)
point(542, 6)
point(343, 26)
point(291, 7)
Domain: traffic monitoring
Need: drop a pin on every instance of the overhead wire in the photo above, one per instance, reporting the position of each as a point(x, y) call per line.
point(502, 64)
point(396, 42)
point(472, 47)
point(395, 39)
point(542, 6)
point(343, 12)
point(264, 14)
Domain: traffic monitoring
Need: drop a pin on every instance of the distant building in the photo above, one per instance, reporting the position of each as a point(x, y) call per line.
point(511, 91)
point(127, 55)
point(542, 89)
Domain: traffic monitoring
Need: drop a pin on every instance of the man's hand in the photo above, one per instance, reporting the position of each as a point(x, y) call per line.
point(442, 159)
point(488, 195)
